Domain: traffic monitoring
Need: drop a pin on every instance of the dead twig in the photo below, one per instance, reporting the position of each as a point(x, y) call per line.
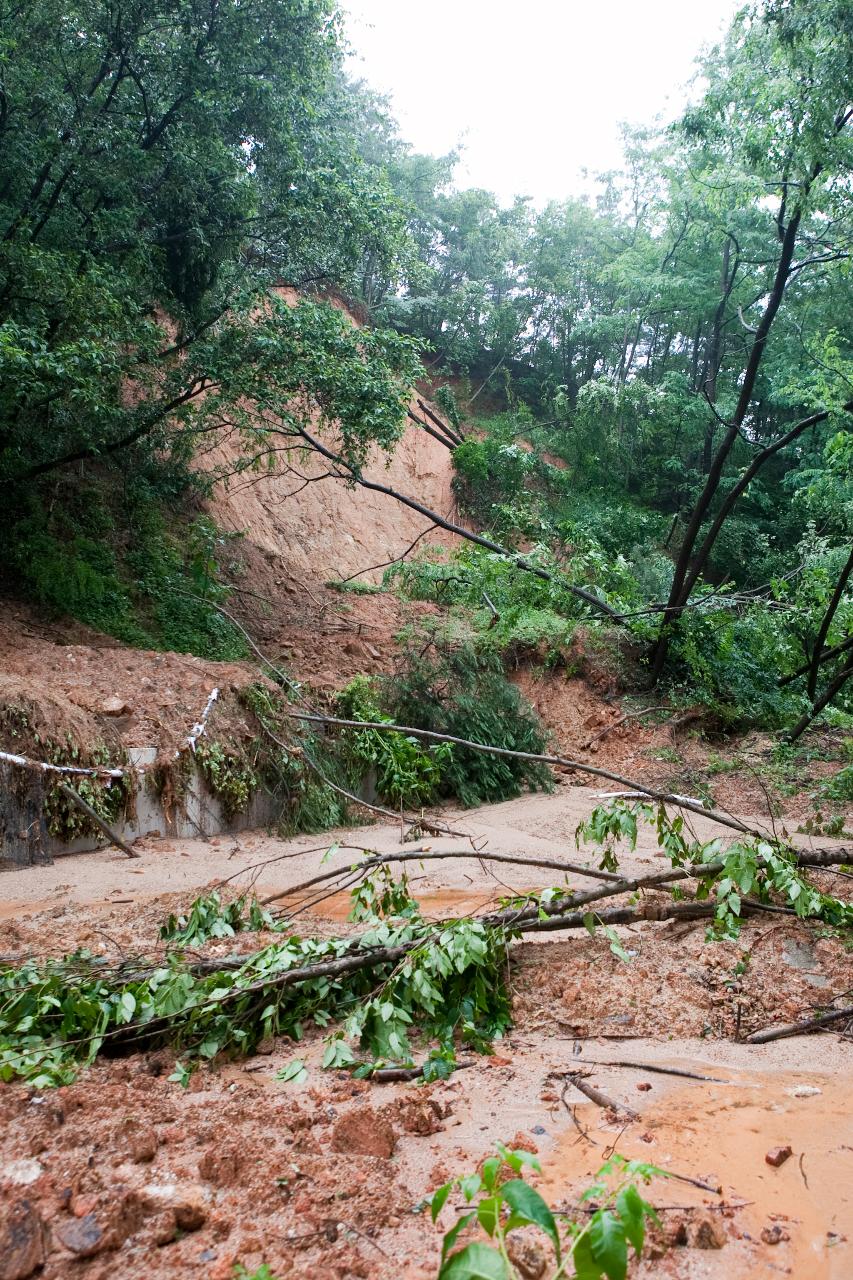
point(600, 1099)
point(647, 1066)
point(429, 855)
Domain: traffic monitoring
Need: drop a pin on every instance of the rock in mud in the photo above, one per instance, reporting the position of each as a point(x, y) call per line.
point(21, 1172)
point(364, 1133)
point(421, 1115)
point(21, 1241)
point(527, 1256)
point(774, 1234)
point(186, 1201)
point(114, 706)
point(708, 1233)
point(82, 1236)
point(777, 1156)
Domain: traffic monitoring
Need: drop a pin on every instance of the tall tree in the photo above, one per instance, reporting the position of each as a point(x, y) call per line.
point(773, 127)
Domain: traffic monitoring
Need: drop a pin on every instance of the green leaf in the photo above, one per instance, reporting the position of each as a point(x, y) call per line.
point(586, 1267)
point(438, 1199)
point(294, 1073)
point(453, 1234)
point(517, 1160)
point(471, 1185)
point(607, 1241)
point(475, 1262)
point(527, 1203)
point(629, 1206)
point(181, 1075)
point(488, 1213)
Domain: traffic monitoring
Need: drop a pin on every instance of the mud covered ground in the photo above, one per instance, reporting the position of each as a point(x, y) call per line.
point(124, 1173)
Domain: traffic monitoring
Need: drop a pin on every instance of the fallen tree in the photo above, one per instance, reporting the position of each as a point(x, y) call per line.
point(445, 979)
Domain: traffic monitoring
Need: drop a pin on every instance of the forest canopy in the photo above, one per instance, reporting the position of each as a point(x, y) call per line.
point(681, 342)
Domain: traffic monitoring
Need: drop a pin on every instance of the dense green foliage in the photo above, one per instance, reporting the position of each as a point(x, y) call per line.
point(684, 346)
point(451, 686)
point(407, 774)
point(449, 985)
point(164, 166)
point(444, 982)
point(674, 357)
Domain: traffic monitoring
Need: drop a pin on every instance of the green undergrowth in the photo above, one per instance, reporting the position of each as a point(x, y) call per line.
point(128, 555)
point(444, 683)
point(456, 688)
point(210, 917)
point(407, 773)
point(744, 633)
point(26, 730)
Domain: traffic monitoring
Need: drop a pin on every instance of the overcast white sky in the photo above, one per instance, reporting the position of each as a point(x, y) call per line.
point(534, 91)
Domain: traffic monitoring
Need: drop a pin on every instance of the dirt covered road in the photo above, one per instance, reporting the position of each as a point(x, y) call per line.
point(127, 1173)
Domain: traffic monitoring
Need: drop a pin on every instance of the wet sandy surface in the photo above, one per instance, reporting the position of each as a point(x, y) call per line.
point(538, 825)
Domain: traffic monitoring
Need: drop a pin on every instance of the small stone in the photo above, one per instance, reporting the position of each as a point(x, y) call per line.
point(708, 1233)
point(21, 1241)
point(80, 1206)
point(804, 1091)
point(82, 1236)
point(421, 1116)
point(114, 706)
point(265, 1047)
point(187, 1202)
point(143, 1146)
point(164, 1228)
point(774, 1234)
point(21, 1172)
point(643, 1086)
point(777, 1156)
point(527, 1256)
point(539, 1130)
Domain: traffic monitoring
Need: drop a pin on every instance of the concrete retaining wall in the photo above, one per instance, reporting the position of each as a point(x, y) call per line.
point(25, 841)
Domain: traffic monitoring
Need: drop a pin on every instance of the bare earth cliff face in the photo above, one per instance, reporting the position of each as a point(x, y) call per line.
point(319, 526)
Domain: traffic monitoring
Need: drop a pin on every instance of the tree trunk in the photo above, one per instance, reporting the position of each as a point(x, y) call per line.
point(677, 597)
point(826, 623)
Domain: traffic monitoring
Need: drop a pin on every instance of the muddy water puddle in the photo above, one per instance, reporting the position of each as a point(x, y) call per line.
point(445, 904)
point(720, 1134)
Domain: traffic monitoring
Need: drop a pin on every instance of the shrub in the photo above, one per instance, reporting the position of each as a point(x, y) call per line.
point(407, 773)
point(453, 688)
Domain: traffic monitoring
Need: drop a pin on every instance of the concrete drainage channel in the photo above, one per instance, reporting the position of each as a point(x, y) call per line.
point(26, 841)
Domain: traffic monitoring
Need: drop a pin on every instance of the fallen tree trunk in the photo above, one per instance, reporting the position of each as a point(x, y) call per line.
point(800, 1028)
point(96, 818)
point(423, 855)
point(351, 474)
